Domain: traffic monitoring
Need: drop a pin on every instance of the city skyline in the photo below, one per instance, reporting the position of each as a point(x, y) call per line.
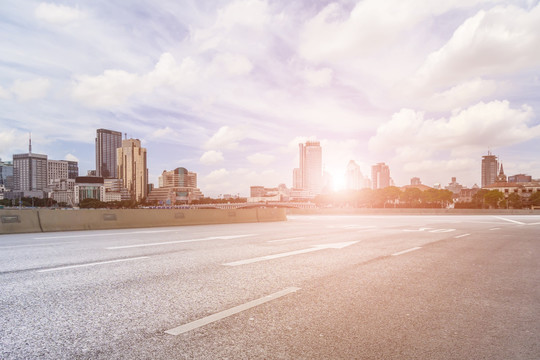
point(229, 89)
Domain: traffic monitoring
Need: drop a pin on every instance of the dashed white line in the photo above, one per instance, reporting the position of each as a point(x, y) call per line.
point(291, 253)
point(407, 251)
point(232, 311)
point(92, 264)
point(178, 241)
point(494, 229)
point(462, 235)
point(288, 239)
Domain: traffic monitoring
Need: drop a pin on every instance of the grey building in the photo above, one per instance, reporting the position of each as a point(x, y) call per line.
point(107, 141)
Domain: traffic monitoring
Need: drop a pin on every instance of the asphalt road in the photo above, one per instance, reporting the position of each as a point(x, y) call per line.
point(314, 287)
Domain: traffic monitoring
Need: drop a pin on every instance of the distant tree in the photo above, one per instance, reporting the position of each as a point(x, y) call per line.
point(478, 198)
point(411, 197)
point(535, 199)
point(514, 201)
point(92, 204)
point(492, 198)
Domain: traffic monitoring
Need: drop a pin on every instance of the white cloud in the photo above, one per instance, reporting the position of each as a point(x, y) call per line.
point(484, 125)
point(261, 159)
point(225, 138)
point(111, 89)
point(163, 133)
point(502, 40)
point(232, 64)
point(369, 27)
point(461, 95)
point(4, 94)
point(318, 78)
point(9, 140)
point(57, 14)
point(211, 157)
point(30, 89)
point(71, 157)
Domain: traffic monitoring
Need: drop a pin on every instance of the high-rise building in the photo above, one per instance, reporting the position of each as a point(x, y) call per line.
point(355, 179)
point(56, 170)
point(519, 178)
point(178, 186)
point(107, 141)
point(132, 168)
point(380, 176)
point(6, 174)
point(308, 175)
point(73, 169)
point(490, 166)
point(179, 177)
point(30, 173)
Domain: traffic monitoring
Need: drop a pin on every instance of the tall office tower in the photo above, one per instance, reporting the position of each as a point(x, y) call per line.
point(73, 169)
point(132, 169)
point(308, 175)
point(355, 179)
point(6, 174)
point(30, 173)
point(107, 141)
point(56, 170)
point(380, 176)
point(490, 166)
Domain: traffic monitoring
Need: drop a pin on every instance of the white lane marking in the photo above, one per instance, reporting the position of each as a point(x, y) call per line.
point(33, 245)
point(442, 230)
point(420, 229)
point(92, 264)
point(536, 223)
point(226, 313)
point(104, 234)
point(494, 229)
point(290, 253)
point(460, 236)
point(289, 239)
point(407, 251)
point(179, 241)
point(510, 220)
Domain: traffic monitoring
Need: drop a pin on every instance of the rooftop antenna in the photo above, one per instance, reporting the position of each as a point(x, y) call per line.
point(29, 143)
point(125, 136)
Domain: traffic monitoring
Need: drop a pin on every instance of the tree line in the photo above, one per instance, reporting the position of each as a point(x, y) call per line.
point(431, 198)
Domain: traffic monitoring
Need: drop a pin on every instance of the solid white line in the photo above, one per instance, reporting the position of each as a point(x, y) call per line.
point(92, 264)
point(406, 251)
point(294, 238)
point(460, 236)
point(510, 220)
point(32, 245)
point(178, 241)
point(494, 229)
point(232, 311)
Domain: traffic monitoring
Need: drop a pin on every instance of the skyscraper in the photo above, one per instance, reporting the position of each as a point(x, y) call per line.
point(355, 179)
point(132, 168)
point(489, 169)
point(30, 173)
point(107, 141)
point(308, 175)
point(6, 174)
point(380, 176)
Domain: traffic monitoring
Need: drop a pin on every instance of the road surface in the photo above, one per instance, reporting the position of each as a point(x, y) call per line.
point(314, 287)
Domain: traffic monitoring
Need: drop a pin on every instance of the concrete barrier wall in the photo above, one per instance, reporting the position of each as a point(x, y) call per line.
point(397, 211)
point(24, 221)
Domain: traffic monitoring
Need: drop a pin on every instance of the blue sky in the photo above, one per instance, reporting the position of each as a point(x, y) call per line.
point(229, 88)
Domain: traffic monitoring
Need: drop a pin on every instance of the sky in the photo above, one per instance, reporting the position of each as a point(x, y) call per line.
point(228, 89)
